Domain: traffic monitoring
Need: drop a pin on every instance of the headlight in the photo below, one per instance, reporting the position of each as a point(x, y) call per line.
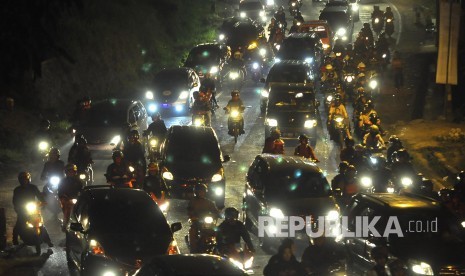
point(214, 70)
point(54, 180)
point(293, 4)
point(341, 32)
point(208, 220)
point(109, 273)
point(270, 2)
point(167, 175)
point(163, 207)
point(277, 46)
point(272, 122)
point(463, 224)
point(389, 20)
point(325, 46)
point(329, 98)
point(73, 201)
point(349, 78)
point(277, 60)
point(178, 108)
point(255, 65)
point(262, 52)
point(184, 95)
point(366, 181)
point(390, 190)
point(95, 248)
point(217, 177)
point(31, 207)
point(276, 213)
point(373, 84)
point(376, 20)
point(406, 181)
point(265, 93)
point(131, 168)
point(43, 146)
point(309, 60)
point(373, 160)
point(332, 215)
point(262, 13)
point(354, 7)
point(243, 14)
point(153, 142)
point(221, 36)
point(421, 268)
point(152, 108)
point(115, 140)
point(233, 75)
point(248, 263)
point(309, 123)
point(198, 122)
point(339, 119)
point(218, 191)
point(82, 176)
point(252, 46)
point(29, 224)
point(149, 95)
point(234, 114)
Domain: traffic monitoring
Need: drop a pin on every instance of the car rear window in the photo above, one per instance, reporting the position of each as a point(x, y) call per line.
point(186, 146)
point(106, 115)
point(290, 74)
point(296, 183)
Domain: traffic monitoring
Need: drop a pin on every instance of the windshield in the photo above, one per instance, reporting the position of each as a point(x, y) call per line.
point(242, 35)
point(291, 100)
point(295, 184)
point(289, 74)
point(335, 19)
point(296, 49)
point(203, 55)
point(125, 216)
point(106, 115)
point(202, 150)
point(168, 76)
point(319, 30)
point(250, 6)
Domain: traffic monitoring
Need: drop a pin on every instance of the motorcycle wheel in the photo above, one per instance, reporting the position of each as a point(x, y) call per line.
point(247, 222)
point(37, 246)
point(340, 139)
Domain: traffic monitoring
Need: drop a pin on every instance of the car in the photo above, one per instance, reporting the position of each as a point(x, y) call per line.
point(340, 20)
point(294, 110)
point(254, 10)
point(198, 264)
point(283, 185)
point(352, 5)
point(191, 155)
point(305, 47)
point(425, 249)
point(103, 125)
point(247, 37)
point(286, 72)
point(322, 29)
point(115, 230)
point(171, 91)
point(208, 57)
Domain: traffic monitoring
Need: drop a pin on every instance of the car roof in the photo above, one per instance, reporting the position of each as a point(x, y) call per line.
point(278, 162)
point(99, 192)
point(302, 35)
point(288, 63)
point(116, 104)
point(335, 9)
point(401, 201)
point(291, 87)
point(191, 130)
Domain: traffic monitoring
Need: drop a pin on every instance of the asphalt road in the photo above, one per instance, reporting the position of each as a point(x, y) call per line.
point(242, 153)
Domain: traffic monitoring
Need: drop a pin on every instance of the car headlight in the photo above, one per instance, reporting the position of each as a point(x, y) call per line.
point(234, 114)
point(217, 177)
point(167, 175)
point(153, 142)
point(276, 213)
point(329, 98)
point(163, 207)
point(421, 268)
point(463, 224)
point(373, 84)
point(218, 191)
point(339, 119)
point(214, 70)
point(332, 215)
point(262, 13)
point(366, 182)
point(184, 95)
point(341, 32)
point(248, 264)
point(309, 60)
point(96, 248)
point(178, 108)
point(82, 176)
point(31, 207)
point(208, 220)
point(309, 123)
point(390, 190)
point(265, 93)
point(73, 201)
point(198, 122)
point(272, 122)
point(255, 65)
point(325, 46)
point(354, 7)
point(262, 52)
point(406, 181)
point(221, 37)
point(152, 108)
point(277, 46)
point(54, 180)
point(109, 273)
point(373, 160)
point(43, 146)
point(243, 14)
point(149, 95)
point(115, 140)
point(270, 2)
point(29, 224)
point(252, 46)
point(233, 75)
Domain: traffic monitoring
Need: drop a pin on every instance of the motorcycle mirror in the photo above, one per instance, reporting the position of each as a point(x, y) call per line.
point(262, 80)
point(317, 103)
point(226, 158)
point(176, 227)
point(76, 226)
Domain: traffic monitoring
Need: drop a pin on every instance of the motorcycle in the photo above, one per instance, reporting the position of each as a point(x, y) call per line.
point(43, 147)
point(31, 231)
point(236, 77)
point(235, 121)
point(240, 256)
point(206, 234)
point(377, 23)
point(339, 130)
point(50, 192)
point(256, 72)
point(124, 181)
point(162, 202)
point(86, 176)
point(294, 8)
point(199, 120)
point(154, 149)
point(389, 28)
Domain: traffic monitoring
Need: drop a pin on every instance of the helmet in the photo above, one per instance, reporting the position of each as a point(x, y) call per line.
point(329, 67)
point(349, 142)
point(361, 89)
point(134, 134)
point(401, 154)
point(303, 137)
point(388, 9)
point(332, 55)
point(350, 169)
point(199, 188)
point(373, 117)
point(54, 151)
point(71, 167)
point(157, 115)
point(343, 166)
point(395, 140)
point(152, 166)
point(281, 9)
point(275, 132)
point(235, 93)
point(237, 55)
point(45, 123)
point(374, 129)
point(231, 213)
point(117, 154)
point(24, 177)
point(366, 25)
point(361, 65)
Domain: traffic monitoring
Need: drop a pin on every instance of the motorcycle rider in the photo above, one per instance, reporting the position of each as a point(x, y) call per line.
point(24, 193)
point(201, 107)
point(118, 170)
point(44, 131)
point(198, 206)
point(402, 165)
point(69, 189)
point(230, 232)
point(208, 84)
point(388, 13)
point(395, 145)
point(235, 103)
point(304, 149)
point(157, 128)
point(373, 139)
point(337, 183)
point(154, 184)
point(80, 155)
point(54, 166)
point(377, 13)
point(381, 174)
point(338, 108)
point(281, 16)
point(320, 255)
point(134, 154)
point(269, 141)
point(348, 152)
point(295, 27)
point(272, 30)
point(298, 16)
point(350, 187)
point(284, 262)
point(367, 32)
point(330, 76)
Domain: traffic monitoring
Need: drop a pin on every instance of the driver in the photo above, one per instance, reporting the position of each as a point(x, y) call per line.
point(235, 102)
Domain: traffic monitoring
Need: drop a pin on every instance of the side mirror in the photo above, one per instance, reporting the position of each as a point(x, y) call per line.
point(226, 158)
point(176, 227)
point(76, 226)
point(262, 80)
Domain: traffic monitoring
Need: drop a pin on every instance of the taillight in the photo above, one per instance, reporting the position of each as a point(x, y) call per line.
point(96, 248)
point(173, 248)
